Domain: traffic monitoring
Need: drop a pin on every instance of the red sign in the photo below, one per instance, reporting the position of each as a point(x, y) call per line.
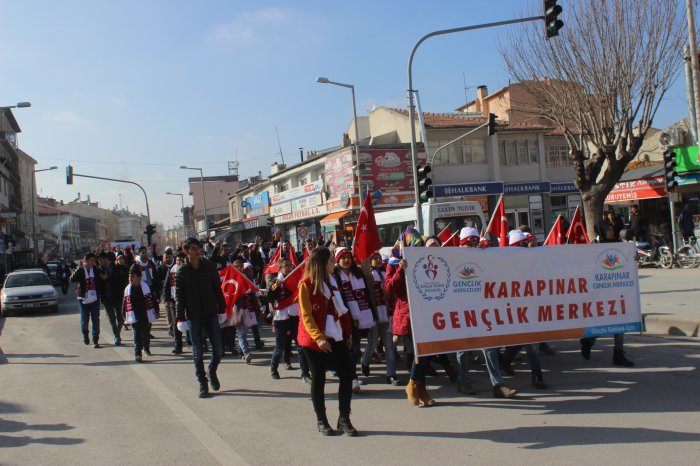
point(391, 172)
point(647, 188)
point(339, 175)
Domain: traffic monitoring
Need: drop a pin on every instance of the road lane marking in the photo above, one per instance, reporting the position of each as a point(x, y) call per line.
point(218, 448)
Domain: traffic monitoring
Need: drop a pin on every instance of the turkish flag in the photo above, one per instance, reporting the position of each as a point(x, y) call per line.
point(447, 238)
point(556, 235)
point(366, 234)
point(291, 283)
point(577, 230)
point(498, 225)
point(234, 284)
point(272, 264)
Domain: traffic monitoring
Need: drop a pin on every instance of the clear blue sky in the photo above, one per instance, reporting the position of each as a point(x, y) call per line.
point(134, 89)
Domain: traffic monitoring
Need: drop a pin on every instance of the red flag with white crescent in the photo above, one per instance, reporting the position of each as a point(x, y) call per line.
point(498, 225)
point(234, 284)
point(556, 235)
point(577, 230)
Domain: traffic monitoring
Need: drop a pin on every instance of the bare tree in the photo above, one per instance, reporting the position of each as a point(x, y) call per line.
point(600, 82)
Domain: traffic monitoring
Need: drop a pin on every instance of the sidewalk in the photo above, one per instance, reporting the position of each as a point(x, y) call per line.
point(670, 301)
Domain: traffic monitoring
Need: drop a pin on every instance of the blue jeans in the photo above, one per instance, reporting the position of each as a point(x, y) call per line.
point(282, 335)
point(491, 358)
point(385, 331)
point(241, 332)
point(532, 358)
point(90, 312)
point(418, 368)
point(211, 325)
point(142, 338)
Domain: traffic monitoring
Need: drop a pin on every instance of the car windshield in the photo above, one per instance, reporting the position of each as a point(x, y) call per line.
point(27, 279)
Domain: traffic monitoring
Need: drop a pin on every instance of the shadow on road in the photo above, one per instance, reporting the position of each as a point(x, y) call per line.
point(8, 441)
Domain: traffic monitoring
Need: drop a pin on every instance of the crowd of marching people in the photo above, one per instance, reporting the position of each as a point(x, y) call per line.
point(339, 313)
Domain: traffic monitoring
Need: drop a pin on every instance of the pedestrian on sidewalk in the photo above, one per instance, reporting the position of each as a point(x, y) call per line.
point(88, 298)
point(140, 308)
point(200, 301)
point(169, 293)
point(325, 337)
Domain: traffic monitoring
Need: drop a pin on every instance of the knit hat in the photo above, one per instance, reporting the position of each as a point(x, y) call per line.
point(466, 233)
point(340, 252)
point(516, 238)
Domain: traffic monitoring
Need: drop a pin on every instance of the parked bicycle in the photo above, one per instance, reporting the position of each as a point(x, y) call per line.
point(687, 256)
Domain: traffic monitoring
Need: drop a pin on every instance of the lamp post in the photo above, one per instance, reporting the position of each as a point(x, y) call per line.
point(182, 211)
point(204, 197)
point(19, 105)
point(323, 80)
point(34, 172)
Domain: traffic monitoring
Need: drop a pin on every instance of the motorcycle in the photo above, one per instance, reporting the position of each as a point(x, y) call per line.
point(654, 253)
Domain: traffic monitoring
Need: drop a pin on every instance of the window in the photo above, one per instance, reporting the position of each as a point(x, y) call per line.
point(558, 155)
point(522, 152)
point(511, 153)
point(534, 151)
point(466, 151)
point(303, 181)
point(523, 155)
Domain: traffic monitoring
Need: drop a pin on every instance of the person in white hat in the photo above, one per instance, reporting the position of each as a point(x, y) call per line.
point(471, 240)
point(516, 238)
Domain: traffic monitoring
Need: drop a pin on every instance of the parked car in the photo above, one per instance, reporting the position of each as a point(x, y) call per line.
point(28, 289)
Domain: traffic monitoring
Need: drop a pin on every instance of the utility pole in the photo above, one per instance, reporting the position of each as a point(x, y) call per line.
point(690, 93)
point(694, 59)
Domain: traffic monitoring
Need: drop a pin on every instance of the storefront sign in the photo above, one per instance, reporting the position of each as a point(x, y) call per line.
point(302, 232)
point(258, 204)
point(563, 188)
point(647, 188)
point(300, 191)
point(307, 202)
point(687, 159)
point(527, 188)
point(281, 209)
point(463, 299)
point(468, 189)
point(302, 214)
point(389, 171)
point(339, 175)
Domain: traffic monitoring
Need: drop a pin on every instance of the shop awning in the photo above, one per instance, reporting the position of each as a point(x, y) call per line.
point(637, 184)
point(334, 218)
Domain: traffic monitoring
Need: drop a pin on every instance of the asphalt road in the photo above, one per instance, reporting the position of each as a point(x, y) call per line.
point(62, 402)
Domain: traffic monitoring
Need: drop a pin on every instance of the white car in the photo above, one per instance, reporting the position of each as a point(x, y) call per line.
point(28, 289)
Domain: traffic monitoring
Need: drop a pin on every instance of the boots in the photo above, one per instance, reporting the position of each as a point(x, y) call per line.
point(324, 427)
point(86, 338)
point(619, 359)
point(412, 392)
point(538, 380)
point(423, 395)
point(345, 426)
point(203, 388)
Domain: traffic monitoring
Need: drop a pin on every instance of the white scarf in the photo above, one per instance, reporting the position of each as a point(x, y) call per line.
point(145, 269)
point(382, 313)
point(90, 294)
point(130, 316)
point(333, 328)
point(362, 317)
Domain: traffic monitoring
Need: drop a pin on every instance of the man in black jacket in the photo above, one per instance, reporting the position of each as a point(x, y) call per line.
point(201, 303)
point(85, 276)
point(114, 278)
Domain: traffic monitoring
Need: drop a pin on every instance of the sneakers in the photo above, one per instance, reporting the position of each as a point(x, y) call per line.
point(248, 357)
point(275, 374)
point(96, 345)
point(393, 380)
point(260, 344)
point(214, 381)
point(289, 366)
point(203, 389)
point(86, 339)
point(501, 391)
point(355, 386)
point(177, 350)
point(619, 359)
point(306, 378)
point(117, 341)
point(538, 380)
point(466, 388)
point(365, 370)
point(147, 351)
point(138, 358)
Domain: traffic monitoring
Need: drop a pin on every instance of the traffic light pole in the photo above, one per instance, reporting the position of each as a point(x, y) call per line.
point(148, 210)
point(411, 105)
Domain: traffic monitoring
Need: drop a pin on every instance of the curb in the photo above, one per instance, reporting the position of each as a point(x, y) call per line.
point(671, 324)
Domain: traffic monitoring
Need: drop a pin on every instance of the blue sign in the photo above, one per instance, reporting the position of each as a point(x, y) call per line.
point(527, 188)
point(563, 188)
point(258, 205)
point(376, 196)
point(468, 189)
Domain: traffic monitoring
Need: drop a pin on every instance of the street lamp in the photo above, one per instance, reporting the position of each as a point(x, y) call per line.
point(323, 80)
point(204, 197)
point(19, 105)
point(182, 211)
point(34, 172)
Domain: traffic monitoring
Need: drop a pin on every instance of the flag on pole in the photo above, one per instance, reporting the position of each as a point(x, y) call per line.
point(447, 238)
point(556, 235)
point(234, 284)
point(367, 240)
point(577, 230)
point(498, 225)
point(273, 267)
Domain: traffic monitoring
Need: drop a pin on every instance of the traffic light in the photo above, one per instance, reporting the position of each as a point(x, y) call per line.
point(186, 217)
point(552, 23)
point(670, 169)
point(424, 190)
point(269, 222)
point(492, 124)
point(150, 231)
point(69, 174)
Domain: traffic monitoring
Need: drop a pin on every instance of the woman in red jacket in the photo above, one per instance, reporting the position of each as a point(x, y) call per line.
point(396, 286)
point(325, 334)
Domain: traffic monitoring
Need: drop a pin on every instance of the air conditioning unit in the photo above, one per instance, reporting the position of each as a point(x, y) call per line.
point(673, 137)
